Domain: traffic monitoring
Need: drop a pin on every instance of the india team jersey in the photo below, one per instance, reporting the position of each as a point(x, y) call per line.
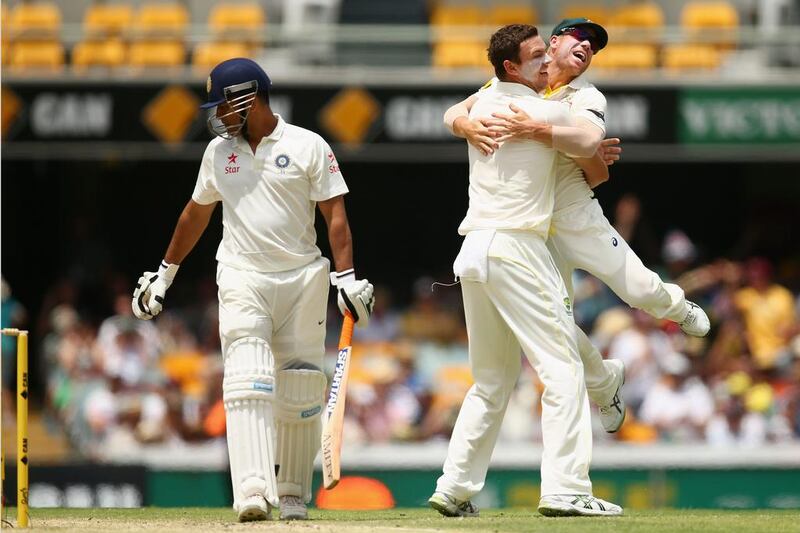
point(512, 188)
point(269, 198)
point(584, 101)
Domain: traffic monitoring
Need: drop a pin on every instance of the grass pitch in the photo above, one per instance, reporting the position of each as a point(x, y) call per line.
point(199, 520)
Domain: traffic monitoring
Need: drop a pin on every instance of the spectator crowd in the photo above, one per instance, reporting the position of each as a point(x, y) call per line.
point(116, 384)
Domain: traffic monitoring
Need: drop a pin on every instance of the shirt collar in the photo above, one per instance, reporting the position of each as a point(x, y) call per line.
point(576, 84)
point(510, 87)
point(272, 137)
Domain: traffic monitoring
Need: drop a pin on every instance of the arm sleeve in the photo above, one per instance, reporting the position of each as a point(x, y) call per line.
point(324, 173)
point(461, 109)
point(580, 140)
point(590, 104)
point(205, 190)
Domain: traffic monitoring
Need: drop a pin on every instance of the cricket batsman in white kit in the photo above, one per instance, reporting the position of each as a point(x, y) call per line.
point(514, 297)
point(270, 177)
point(580, 235)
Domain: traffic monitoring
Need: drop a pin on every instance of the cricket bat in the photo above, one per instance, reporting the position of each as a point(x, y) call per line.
point(333, 417)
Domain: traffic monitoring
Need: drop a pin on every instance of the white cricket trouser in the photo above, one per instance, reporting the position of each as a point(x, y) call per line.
point(522, 304)
point(286, 309)
point(583, 238)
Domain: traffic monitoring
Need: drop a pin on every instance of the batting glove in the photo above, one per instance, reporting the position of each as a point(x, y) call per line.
point(148, 298)
point(355, 295)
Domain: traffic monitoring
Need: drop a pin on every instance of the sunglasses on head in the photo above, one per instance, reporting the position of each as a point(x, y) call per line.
point(582, 34)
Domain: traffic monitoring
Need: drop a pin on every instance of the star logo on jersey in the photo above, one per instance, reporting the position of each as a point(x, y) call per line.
point(233, 159)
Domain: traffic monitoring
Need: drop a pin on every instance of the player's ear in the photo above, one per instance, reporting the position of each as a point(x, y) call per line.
point(554, 41)
point(510, 67)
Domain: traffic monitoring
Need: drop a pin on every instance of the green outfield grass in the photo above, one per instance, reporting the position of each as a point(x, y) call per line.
point(204, 519)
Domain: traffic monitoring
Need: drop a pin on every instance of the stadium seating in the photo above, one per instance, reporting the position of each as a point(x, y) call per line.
point(705, 24)
point(705, 20)
point(454, 48)
point(503, 14)
point(208, 55)
point(236, 21)
point(626, 57)
point(638, 15)
point(690, 56)
point(106, 20)
point(593, 12)
point(35, 21)
point(156, 54)
point(99, 53)
point(36, 55)
point(161, 19)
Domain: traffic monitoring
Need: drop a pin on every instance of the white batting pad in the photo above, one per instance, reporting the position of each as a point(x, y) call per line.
point(248, 393)
point(300, 400)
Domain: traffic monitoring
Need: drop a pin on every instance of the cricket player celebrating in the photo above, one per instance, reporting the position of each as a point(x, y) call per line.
point(580, 235)
point(514, 296)
point(273, 284)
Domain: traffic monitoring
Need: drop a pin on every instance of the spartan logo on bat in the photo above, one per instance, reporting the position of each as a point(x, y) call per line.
point(336, 382)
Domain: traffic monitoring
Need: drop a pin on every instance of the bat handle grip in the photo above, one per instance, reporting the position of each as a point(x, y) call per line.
point(346, 338)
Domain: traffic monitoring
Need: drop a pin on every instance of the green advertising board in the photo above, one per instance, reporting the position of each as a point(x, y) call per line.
point(741, 488)
point(744, 116)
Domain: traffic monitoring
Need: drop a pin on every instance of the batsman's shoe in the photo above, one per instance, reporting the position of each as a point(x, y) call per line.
point(254, 508)
point(451, 507)
point(577, 505)
point(612, 414)
point(293, 508)
point(696, 322)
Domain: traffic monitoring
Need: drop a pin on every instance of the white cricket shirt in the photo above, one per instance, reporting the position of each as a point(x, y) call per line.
point(512, 188)
point(269, 198)
point(586, 102)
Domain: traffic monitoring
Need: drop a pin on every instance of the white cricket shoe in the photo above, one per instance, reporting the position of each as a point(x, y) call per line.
point(293, 508)
point(577, 505)
point(254, 508)
point(696, 322)
point(451, 507)
point(612, 414)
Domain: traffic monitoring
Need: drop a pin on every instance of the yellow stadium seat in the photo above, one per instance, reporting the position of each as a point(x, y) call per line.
point(36, 54)
point(156, 54)
point(107, 19)
point(162, 18)
point(626, 56)
point(638, 15)
point(39, 20)
point(690, 56)
point(110, 53)
point(709, 15)
point(596, 13)
point(236, 17)
point(452, 15)
point(501, 15)
point(454, 54)
point(721, 18)
point(209, 55)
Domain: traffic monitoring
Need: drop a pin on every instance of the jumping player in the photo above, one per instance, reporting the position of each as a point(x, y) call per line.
point(580, 235)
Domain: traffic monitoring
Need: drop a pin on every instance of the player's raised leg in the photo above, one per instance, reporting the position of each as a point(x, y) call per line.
point(595, 246)
point(604, 378)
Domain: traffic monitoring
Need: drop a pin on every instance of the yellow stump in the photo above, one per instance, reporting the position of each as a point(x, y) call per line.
point(22, 424)
point(22, 429)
